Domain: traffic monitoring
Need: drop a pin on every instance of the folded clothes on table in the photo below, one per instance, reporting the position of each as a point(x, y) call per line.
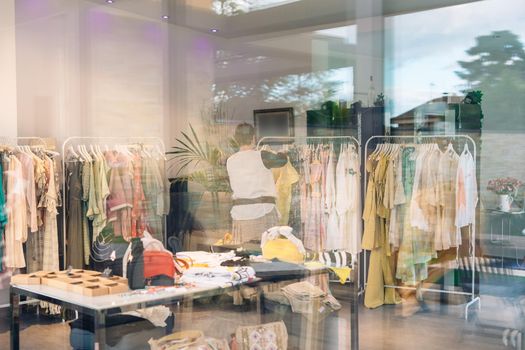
point(205, 258)
point(220, 276)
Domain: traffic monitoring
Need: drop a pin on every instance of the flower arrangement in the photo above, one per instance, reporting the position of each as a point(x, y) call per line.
point(504, 185)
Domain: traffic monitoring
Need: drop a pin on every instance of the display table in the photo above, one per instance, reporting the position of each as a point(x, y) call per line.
point(101, 306)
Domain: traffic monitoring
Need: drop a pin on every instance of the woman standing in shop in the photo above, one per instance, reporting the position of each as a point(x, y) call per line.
point(254, 192)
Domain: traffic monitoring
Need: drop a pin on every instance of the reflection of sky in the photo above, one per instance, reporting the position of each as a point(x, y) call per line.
point(423, 48)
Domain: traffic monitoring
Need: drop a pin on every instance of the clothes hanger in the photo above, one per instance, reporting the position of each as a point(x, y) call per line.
point(72, 151)
point(86, 153)
point(465, 148)
point(99, 151)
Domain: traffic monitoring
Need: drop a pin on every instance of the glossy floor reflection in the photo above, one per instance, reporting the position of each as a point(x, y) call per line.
point(412, 325)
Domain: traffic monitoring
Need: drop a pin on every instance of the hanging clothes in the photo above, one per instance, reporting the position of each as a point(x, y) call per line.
point(448, 168)
point(285, 177)
point(16, 207)
point(348, 200)
point(50, 201)
point(3, 214)
point(334, 238)
point(420, 196)
point(375, 217)
point(466, 190)
point(113, 196)
point(75, 239)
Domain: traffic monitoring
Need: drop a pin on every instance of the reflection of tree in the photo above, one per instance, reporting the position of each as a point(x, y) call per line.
point(497, 68)
point(303, 90)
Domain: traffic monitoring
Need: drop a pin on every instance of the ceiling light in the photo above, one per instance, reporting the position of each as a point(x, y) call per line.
point(109, 1)
point(165, 17)
point(214, 30)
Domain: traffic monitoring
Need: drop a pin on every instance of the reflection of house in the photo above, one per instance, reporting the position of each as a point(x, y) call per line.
point(437, 116)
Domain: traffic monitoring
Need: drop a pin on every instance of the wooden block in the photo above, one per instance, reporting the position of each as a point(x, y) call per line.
point(42, 273)
point(115, 288)
point(91, 273)
point(117, 279)
point(95, 290)
point(47, 278)
point(91, 280)
point(58, 282)
point(76, 287)
point(25, 279)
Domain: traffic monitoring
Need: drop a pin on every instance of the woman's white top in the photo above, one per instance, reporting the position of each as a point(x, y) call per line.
point(250, 179)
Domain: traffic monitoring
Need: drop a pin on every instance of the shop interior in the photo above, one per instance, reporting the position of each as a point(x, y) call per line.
point(393, 209)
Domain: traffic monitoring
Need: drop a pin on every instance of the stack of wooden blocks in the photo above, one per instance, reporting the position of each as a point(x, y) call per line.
point(85, 282)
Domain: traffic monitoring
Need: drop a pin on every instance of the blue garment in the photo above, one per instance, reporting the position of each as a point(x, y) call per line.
point(3, 215)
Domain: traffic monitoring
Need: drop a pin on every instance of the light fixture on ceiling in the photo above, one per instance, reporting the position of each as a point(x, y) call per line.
point(109, 1)
point(165, 17)
point(214, 30)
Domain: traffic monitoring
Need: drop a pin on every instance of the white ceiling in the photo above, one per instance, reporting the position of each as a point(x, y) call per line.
point(199, 15)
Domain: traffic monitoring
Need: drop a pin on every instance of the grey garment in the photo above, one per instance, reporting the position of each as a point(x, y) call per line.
point(85, 174)
point(153, 192)
point(75, 244)
point(35, 250)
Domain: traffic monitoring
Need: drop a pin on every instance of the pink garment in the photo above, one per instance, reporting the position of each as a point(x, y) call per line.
point(313, 224)
point(120, 201)
point(28, 171)
point(138, 224)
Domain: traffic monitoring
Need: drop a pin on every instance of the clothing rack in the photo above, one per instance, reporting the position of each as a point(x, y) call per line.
point(355, 274)
point(109, 141)
point(19, 141)
point(416, 139)
point(292, 139)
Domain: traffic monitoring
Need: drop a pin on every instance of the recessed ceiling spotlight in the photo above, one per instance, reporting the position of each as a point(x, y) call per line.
point(165, 17)
point(109, 1)
point(214, 30)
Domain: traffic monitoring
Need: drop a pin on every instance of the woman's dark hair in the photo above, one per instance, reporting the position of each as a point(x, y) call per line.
point(244, 134)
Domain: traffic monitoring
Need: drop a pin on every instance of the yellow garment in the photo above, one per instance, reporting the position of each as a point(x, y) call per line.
point(376, 216)
point(227, 239)
point(282, 249)
point(342, 272)
point(284, 177)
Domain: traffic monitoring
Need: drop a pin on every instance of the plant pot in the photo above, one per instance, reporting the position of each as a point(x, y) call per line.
point(505, 201)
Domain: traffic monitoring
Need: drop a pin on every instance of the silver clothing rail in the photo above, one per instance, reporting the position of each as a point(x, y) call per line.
point(416, 139)
point(104, 141)
point(27, 141)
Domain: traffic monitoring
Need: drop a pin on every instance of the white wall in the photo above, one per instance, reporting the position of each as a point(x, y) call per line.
point(8, 108)
point(90, 70)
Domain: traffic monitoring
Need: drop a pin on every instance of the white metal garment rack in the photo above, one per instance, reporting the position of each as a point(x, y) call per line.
point(355, 274)
point(19, 141)
point(109, 141)
point(305, 139)
point(472, 229)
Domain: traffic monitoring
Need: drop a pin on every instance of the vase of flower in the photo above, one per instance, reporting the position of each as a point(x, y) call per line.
point(506, 188)
point(505, 201)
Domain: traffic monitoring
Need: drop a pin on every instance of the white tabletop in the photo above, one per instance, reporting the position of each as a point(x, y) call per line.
point(122, 300)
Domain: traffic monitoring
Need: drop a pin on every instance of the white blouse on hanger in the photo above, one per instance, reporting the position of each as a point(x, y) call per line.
point(466, 190)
